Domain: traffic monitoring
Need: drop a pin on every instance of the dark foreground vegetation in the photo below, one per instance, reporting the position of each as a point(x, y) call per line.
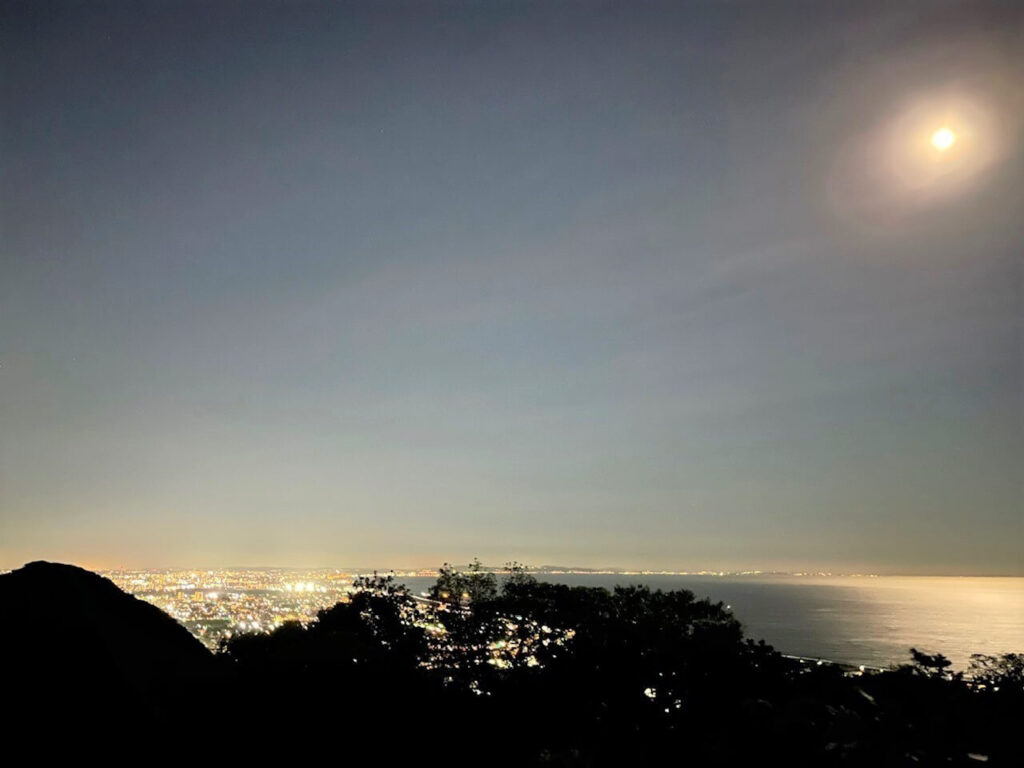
point(492, 670)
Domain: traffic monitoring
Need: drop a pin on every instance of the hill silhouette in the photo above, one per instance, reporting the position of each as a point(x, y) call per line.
point(76, 650)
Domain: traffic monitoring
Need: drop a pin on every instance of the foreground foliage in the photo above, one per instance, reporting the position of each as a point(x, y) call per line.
point(545, 673)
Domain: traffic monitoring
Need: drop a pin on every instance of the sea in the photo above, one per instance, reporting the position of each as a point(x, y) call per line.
point(869, 620)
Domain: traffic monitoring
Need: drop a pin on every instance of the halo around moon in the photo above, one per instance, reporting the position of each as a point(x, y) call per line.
point(934, 149)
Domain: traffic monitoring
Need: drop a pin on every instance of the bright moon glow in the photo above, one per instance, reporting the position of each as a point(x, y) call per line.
point(943, 139)
point(935, 149)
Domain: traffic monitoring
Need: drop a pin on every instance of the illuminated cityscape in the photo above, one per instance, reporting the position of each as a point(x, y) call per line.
point(217, 604)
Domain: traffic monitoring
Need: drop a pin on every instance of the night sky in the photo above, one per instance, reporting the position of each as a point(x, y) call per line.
point(636, 285)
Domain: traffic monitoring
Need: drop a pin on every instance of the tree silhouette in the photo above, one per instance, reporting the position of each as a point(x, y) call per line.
point(930, 665)
point(1005, 672)
point(462, 588)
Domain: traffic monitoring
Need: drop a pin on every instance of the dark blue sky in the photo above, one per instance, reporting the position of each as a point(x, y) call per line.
point(679, 285)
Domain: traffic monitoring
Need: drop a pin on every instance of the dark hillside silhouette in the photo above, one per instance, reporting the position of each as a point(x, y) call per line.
point(77, 650)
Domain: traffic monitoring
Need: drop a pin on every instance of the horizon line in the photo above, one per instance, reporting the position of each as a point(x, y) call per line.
point(547, 568)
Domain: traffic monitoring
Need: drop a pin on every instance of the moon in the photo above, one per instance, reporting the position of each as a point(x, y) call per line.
point(943, 139)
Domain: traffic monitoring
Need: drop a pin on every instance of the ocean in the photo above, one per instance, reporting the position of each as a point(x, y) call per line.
point(871, 620)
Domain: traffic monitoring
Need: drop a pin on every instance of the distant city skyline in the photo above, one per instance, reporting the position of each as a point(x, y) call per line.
point(685, 285)
point(545, 568)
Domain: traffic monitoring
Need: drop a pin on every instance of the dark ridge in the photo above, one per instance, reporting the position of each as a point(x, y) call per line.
point(76, 649)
